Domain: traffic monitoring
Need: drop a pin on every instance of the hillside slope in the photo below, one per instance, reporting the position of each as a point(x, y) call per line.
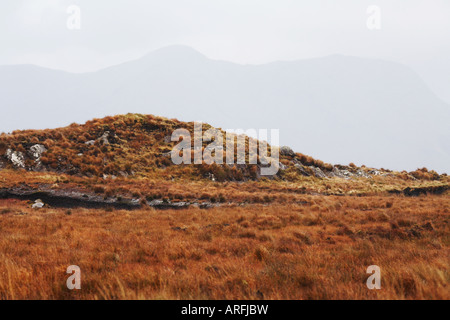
point(137, 145)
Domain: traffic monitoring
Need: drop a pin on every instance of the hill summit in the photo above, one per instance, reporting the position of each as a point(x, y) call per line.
point(140, 145)
point(126, 162)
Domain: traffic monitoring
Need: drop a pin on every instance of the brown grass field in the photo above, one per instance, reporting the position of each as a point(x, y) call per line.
point(316, 249)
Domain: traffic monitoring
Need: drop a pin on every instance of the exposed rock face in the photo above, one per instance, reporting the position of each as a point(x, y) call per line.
point(317, 172)
point(301, 169)
point(105, 139)
point(347, 173)
point(281, 166)
point(16, 157)
point(336, 173)
point(286, 151)
point(362, 174)
point(344, 174)
point(36, 151)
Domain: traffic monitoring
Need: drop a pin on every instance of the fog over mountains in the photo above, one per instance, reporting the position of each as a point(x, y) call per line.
point(339, 109)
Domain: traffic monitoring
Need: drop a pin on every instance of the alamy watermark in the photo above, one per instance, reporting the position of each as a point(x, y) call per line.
point(236, 146)
point(374, 19)
point(374, 281)
point(74, 19)
point(74, 281)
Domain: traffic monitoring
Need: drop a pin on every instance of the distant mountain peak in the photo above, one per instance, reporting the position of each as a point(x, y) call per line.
point(338, 108)
point(175, 52)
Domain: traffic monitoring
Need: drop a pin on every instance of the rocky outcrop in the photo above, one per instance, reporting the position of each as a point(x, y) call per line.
point(104, 138)
point(301, 169)
point(340, 173)
point(362, 174)
point(317, 172)
point(281, 166)
point(286, 151)
point(36, 152)
point(17, 158)
point(90, 143)
point(375, 172)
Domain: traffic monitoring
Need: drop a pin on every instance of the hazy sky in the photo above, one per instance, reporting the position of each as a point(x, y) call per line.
point(413, 32)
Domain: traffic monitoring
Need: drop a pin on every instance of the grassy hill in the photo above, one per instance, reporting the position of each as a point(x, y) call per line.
point(139, 145)
point(128, 156)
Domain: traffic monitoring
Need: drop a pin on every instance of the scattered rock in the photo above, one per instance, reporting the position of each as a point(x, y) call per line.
point(160, 204)
point(204, 205)
point(90, 143)
point(106, 176)
point(38, 204)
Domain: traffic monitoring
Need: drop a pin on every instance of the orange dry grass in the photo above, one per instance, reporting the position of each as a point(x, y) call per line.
point(317, 250)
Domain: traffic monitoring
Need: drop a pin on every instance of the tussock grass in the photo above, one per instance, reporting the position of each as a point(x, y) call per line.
point(318, 250)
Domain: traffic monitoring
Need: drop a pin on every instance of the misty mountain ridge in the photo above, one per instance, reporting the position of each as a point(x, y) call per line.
point(340, 109)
